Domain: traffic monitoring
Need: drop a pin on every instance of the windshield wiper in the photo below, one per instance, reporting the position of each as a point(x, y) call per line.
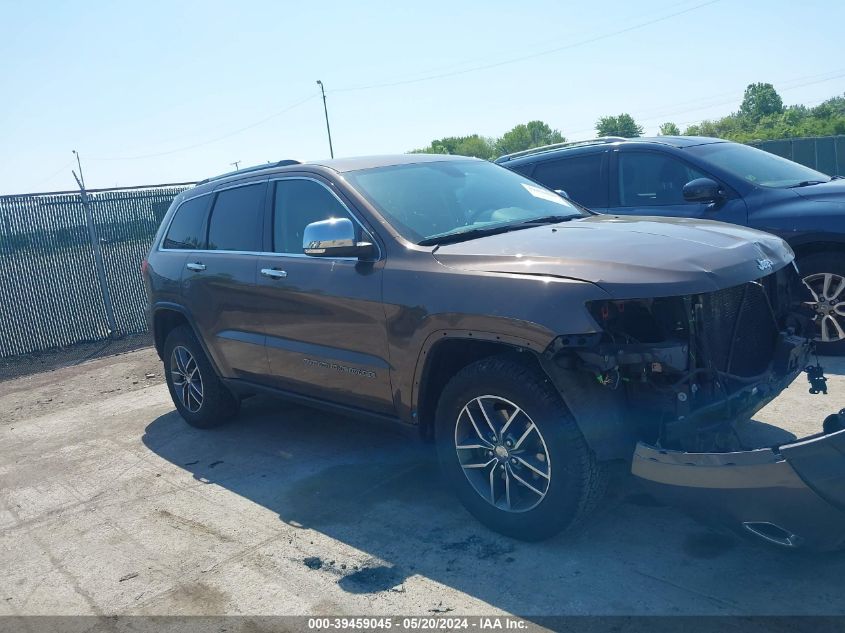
point(807, 183)
point(469, 234)
point(550, 219)
point(483, 231)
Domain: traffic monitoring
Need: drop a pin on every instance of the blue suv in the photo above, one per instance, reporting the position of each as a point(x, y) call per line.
point(700, 177)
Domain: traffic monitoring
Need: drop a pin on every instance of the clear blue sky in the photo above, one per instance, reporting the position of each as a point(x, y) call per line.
point(164, 81)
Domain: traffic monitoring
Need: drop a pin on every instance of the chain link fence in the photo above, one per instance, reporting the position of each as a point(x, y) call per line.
point(52, 295)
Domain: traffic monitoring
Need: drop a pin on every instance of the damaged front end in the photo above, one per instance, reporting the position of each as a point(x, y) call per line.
point(668, 379)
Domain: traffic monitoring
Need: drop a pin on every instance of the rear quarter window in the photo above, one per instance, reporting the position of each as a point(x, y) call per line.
point(187, 229)
point(524, 169)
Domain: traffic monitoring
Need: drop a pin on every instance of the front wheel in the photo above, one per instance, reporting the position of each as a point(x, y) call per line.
point(824, 277)
point(511, 452)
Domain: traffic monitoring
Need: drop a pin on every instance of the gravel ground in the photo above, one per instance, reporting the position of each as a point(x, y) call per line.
point(110, 504)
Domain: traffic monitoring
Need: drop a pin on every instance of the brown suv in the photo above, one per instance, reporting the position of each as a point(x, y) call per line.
point(533, 340)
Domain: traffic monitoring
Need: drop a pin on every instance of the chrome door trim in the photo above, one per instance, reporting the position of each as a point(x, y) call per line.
point(160, 248)
point(266, 253)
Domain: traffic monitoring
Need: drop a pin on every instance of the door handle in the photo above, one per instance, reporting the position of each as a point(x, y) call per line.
point(274, 273)
point(195, 266)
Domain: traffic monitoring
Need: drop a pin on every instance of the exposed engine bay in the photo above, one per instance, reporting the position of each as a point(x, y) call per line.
point(676, 375)
point(691, 366)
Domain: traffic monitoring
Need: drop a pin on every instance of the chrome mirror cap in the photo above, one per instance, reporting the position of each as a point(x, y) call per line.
point(334, 237)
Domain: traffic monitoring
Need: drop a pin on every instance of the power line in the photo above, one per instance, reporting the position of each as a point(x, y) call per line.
point(522, 58)
point(213, 140)
point(53, 175)
point(423, 74)
point(421, 79)
point(664, 115)
point(733, 99)
point(811, 104)
point(784, 85)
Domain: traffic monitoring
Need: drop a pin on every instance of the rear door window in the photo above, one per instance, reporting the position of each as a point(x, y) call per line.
point(583, 178)
point(187, 229)
point(236, 219)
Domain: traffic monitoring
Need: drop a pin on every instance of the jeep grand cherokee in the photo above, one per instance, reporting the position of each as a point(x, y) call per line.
point(532, 340)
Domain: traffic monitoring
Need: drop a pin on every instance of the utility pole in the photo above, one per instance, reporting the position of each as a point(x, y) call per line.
point(326, 110)
point(98, 253)
point(79, 164)
point(235, 164)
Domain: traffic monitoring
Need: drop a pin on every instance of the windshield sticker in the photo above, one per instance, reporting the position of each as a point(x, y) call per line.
point(545, 194)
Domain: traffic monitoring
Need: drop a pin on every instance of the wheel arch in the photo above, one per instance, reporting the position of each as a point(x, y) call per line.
point(598, 413)
point(447, 353)
point(168, 316)
point(165, 319)
point(818, 244)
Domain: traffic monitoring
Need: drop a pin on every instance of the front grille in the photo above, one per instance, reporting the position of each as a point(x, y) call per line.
point(738, 317)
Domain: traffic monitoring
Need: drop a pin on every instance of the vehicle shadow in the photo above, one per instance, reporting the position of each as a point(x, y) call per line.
point(756, 434)
point(380, 492)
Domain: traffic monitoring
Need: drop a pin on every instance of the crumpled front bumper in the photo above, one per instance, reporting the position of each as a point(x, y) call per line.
point(791, 495)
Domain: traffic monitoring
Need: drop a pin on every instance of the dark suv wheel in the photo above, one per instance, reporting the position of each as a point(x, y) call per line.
point(824, 275)
point(199, 395)
point(512, 453)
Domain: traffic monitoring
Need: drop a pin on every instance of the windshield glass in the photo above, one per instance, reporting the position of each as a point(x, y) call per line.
point(757, 166)
point(433, 199)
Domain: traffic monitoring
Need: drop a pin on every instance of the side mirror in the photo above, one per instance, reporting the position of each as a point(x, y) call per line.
point(334, 237)
point(562, 194)
point(703, 190)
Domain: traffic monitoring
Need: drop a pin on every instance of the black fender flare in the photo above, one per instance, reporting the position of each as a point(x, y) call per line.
point(170, 306)
point(438, 336)
point(599, 412)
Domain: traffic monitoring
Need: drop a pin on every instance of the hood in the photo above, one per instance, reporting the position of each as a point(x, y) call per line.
point(629, 257)
point(831, 191)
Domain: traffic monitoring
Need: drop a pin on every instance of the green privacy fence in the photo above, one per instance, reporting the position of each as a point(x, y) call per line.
point(53, 290)
point(823, 153)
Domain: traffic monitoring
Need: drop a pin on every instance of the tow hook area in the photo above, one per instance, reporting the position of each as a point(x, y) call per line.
point(792, 495)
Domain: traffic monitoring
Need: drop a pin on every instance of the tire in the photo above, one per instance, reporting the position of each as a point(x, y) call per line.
point(573, 481)
point(202, 401)
point(815, 269)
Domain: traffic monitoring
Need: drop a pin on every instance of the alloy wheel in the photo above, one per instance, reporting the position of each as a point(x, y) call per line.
point(829, 305)
point(502, 453)
point(187, 379)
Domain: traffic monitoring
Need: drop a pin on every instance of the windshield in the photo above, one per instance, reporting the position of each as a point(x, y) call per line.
point(757, 166)
point(434, 199)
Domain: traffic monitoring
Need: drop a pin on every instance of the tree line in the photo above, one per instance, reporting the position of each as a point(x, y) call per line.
point(521, 137)
point(761, 116)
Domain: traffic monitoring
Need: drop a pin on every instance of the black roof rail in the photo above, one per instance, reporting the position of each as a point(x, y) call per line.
point(554, 146)
point(246, 170)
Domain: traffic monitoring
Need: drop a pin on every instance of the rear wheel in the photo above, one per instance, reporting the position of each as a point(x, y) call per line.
point(199, 395)
point(511, 452)
point(824, 277)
